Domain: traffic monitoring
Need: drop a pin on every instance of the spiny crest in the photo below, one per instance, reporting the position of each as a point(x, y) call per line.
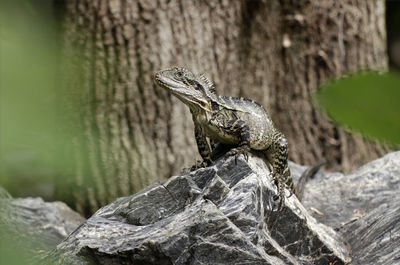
point(206, 80)
point(210, 85)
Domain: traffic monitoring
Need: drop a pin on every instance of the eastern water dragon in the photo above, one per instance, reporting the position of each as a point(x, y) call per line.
point(235, 121)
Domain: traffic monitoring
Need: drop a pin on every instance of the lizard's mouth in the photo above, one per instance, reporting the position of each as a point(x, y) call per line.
point(168, 83)
point(180, 90)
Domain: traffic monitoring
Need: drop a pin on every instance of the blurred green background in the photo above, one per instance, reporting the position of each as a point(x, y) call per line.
point(29, 116)
point(29, 53)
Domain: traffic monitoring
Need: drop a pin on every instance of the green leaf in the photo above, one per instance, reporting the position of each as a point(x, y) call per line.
point(368, 103)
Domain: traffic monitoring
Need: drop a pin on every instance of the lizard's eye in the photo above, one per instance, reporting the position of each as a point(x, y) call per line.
point(197, 87)
point(179, 74)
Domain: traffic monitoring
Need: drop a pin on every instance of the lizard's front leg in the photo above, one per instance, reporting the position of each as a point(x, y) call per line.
point(202, 146)
point(240, 127)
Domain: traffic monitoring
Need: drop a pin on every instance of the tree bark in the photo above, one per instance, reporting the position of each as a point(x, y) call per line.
point(275, 52)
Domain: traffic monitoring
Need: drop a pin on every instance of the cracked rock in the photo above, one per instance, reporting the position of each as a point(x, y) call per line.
point(30, 225)
point(363, 206)
point(222, 214)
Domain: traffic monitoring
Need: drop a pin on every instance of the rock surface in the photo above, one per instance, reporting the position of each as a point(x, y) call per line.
point(375, 238)
point(363, 206)
point(222, 214)
point(33, 224)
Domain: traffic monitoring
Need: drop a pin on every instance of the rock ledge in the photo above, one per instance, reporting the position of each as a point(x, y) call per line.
point(222, 214)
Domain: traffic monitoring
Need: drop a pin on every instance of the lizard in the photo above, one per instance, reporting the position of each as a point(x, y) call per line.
point(229, 120)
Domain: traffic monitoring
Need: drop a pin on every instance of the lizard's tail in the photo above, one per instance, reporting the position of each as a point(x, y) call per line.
point(307, 174)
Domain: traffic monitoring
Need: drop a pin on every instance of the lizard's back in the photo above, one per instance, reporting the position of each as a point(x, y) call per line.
point(256, 117)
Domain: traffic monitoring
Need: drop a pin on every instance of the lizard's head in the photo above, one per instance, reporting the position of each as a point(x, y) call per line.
point(196, 91)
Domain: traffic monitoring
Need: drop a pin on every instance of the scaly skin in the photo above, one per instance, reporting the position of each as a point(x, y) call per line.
point(229, 120)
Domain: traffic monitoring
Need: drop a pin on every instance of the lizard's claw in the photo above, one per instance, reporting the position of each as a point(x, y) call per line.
point(275, 198)
point(241, 150)
point(290, 192)
point(199, 164)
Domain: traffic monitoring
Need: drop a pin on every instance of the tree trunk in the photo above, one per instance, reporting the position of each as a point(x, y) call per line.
point(275, 52)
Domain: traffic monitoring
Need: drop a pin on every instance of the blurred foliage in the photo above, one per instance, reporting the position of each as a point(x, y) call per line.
point(31, 135)
point(367, 103)
point(28, 120)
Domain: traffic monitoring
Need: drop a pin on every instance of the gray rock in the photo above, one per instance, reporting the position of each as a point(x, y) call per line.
point(363, 206)
point(33, 224)
point(223, 214)
point(343, 198)
point(375, 238)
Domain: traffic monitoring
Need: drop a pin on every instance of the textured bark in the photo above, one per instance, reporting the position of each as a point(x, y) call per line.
point(275, 52)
